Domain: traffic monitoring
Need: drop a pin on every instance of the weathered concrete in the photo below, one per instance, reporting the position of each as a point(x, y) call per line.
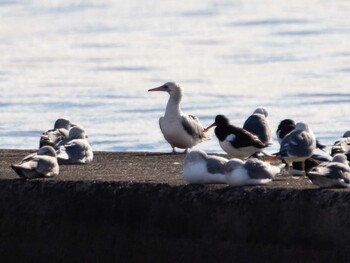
point(99, 213)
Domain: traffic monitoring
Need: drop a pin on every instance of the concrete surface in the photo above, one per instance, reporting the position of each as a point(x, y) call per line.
point(136, 207)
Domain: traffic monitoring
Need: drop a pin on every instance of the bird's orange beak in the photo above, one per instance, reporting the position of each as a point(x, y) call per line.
point(210, 126)
point(271, 158)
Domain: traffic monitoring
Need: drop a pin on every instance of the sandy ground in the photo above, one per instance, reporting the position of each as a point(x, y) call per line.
point(131, 167)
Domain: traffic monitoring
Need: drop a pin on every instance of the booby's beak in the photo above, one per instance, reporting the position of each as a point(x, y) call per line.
point(161, 88)
point(209, 127)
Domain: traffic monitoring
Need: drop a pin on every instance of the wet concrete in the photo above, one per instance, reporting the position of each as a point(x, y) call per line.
point(136, 207)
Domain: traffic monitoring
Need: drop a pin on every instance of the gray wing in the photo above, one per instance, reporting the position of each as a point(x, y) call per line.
point(216, 165)
point(192, 126)
point(259, 126)
point(339, 171)
point(77, 151)
point(47, 166)
point(257, 169)
point(298, 143)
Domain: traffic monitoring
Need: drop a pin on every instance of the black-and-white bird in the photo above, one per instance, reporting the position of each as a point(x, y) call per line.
point(180, 130)
point(258, 124)
point(250, 172)
point(297, 146)
point(236, 141)
point(75, 149)
point(57, 134)
point(40, 164)
point(200, 168)
point(333, 174)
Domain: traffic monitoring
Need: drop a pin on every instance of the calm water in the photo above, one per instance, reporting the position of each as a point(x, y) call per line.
point(93, 62)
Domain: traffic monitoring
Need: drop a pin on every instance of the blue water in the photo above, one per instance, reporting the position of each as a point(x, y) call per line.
point(93, 62)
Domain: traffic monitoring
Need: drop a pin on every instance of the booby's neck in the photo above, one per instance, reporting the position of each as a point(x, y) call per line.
point(173, 106)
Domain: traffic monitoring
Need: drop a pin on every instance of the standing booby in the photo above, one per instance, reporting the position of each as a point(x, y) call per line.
point(332, 174)
point(298, 145)
point(41, 164)
point(251, 172)
point(258, 125)
point(234, 140)
point(57, 134)
point(180, 130)
point(75, 149)
point(200, 168)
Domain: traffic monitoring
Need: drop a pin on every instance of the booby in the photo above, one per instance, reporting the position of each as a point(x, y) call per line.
point(200, 168)
point(75, 149)
point(332, 174)
point(179, 130)
point(236, 141)
point(57, 134)
point(258, 124)
point(297, 146)
point(250, 172)
point(41, 164)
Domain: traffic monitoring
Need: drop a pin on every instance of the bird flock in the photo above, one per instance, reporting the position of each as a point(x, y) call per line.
point(249, 164)
point(66, 143)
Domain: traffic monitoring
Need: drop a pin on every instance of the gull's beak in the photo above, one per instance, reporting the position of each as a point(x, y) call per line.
point(161, 88)
point(211, 126)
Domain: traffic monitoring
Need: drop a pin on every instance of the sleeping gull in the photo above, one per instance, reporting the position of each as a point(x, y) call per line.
point(40, 164)
point(250, 172)
point(75, 149)
point(234, 140)
point(180, 130)
point(332, 174)
point(57, 134)
point(200, 168)
point(258, 124)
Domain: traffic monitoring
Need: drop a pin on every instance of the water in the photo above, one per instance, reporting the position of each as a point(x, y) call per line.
point(93, 62)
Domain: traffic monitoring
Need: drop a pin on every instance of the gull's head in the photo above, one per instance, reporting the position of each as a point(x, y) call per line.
point(195, 156)
point(77, 133)
point(340, 158)
point(302, 126)
point(47, 150)
point(171, 87)
point(63, 123)
point(346, 134)
point(262, 111)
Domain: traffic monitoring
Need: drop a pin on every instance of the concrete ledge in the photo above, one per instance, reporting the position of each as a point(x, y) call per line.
point(113, 220)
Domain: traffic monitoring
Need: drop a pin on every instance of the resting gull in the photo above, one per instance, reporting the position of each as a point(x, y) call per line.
point(258, 124)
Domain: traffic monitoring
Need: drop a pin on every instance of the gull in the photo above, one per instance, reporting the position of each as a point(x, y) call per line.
point(250, 172)
point(236, 141)
point(297, 146)
point(41, 164)
point(342, 145)
point(75, 149)
point(333, 174)
point(258, 125)
point(200, 168)
point(179, 130)
point(57, 134)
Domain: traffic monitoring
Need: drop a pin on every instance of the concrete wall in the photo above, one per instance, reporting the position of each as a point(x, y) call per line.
point(57, 221)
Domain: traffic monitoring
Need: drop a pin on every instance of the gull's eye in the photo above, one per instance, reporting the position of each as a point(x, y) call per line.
point(166, 87)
